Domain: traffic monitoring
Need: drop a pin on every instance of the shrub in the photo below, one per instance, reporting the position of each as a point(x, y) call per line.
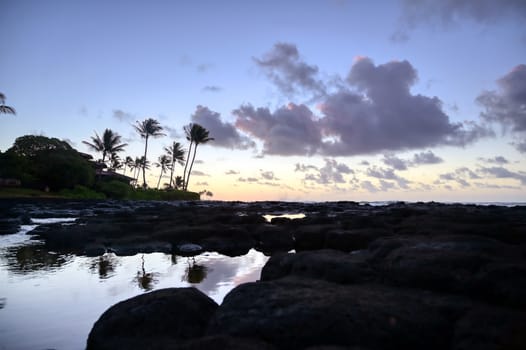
point(115, 189)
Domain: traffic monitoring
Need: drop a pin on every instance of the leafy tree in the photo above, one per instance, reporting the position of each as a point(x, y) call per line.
point(109, 144)
point(176, 154)
point(197, 135)
point(164, 164)
point(146, 128)
point(40, 162)
point(31, 145)
point(3, 108)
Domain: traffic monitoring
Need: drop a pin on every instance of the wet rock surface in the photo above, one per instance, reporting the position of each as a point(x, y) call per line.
point(347, 275)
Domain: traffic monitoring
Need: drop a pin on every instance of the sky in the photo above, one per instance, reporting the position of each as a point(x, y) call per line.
point(412, 100)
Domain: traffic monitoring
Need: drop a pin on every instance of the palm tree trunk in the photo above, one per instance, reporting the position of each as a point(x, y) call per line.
point(185, 165)
point(144, 164)
point(172, 173)
point(159, 181)
point(190, 170)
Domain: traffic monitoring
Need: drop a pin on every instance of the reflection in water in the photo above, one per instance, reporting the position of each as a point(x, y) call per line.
point(194, 273)
point(26, 259)
point(146, 280)
point(104, 265)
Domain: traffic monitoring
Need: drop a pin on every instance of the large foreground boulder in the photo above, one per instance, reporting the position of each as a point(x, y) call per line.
point(160, 319)
point(295, 313)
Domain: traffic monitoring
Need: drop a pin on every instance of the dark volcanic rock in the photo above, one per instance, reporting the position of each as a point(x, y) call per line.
point(297, 313)
point(328, 265)
point(165, 317)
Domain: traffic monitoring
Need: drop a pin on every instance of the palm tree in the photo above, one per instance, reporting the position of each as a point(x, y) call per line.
point(196, 134)
point(128, 162)
point(176, 154)
point(146, 128)
point(164, 164)
point(179, 183)
point(115, 162)
point(108, 145)
point(139, 163)
point(3, 108)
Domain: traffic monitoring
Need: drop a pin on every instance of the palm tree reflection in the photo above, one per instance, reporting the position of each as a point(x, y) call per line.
point(194, 272)
point(105, 265)
point(145, 280)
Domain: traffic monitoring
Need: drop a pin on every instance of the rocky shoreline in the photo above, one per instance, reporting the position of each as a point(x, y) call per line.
point(347, 275)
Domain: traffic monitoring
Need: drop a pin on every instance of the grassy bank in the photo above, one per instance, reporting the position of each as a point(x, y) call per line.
point(80, 192)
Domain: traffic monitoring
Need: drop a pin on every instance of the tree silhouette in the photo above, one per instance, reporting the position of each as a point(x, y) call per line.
point(164, 164)
point(3, 108)
point(108, 145)
point(128, 162)
point(146, 128)
point(196, 134)
point(176, 154)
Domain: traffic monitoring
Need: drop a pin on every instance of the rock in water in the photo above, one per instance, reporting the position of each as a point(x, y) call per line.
point(156, 320)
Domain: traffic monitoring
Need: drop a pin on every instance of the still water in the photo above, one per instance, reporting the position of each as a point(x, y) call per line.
point(50, 300)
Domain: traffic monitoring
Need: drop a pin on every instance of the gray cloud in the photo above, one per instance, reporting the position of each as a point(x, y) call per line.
point(386, 116)
point(224, 133)
point(202, 183)
point(173, 133)
point(290, 130)
point(232, 172)
point(426, 158)
point(507, 106)
point(331, 173)
point(447, 12)
point(374, 112)
point(288, 72)
point(268, 175)
point(367, 185)
point(460, 175)
point(387, 174)
point(198, 173)
point(247, 179)
point(395, 162)
point(495, 160)
point(503, 173)
point(212, 88)
point(122, 116)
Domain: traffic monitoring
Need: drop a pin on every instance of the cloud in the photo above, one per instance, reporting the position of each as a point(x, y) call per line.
point(224, 133)
point(202, 183)
point(290, 130)
point(503, 173)
point(507, 106)
point(331, 173)
point(422, 158)
point(122, 116)
point(232, 172)
point(495, 160)
point(387, 174)
point(304, 168)
point(460, 175)
point(426, 158)
point(367, 185)
point(203, 67)
point(268, 175)
point(395, 162)
point(373, 112)
point(385, 116)
point(173, 133)
point(448, 12)
point(212, 88)
point(248, 179)
point(283, 66)
point(198, 173)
